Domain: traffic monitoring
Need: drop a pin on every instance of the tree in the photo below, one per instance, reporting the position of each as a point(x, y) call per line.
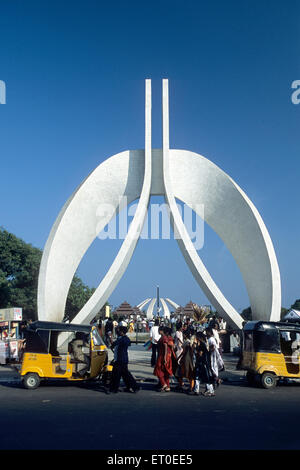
point(78, 295)
point(19, 270)
point(296, 305)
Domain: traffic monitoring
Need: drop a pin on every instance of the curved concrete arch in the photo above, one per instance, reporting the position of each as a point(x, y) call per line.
point(177, 174)
point(78, 224)
point(143, 304)
point(166, 309)
point(233, 218)
point(172, 303)
point(121, 261)
point(150, 308)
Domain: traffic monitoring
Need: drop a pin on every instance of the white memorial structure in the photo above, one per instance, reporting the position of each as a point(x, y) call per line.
point(164, 305)
point(181, 174)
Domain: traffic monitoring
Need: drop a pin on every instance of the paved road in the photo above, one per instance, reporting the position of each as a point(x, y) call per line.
point(65, 416)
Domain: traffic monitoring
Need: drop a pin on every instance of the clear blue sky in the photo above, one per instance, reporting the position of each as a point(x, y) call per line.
point(75, 71)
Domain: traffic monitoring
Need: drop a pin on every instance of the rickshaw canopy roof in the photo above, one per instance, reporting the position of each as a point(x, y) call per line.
point(48, 325)
point(258, 325)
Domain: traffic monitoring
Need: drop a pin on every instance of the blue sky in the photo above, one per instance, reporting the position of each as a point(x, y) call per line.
point(74, 74)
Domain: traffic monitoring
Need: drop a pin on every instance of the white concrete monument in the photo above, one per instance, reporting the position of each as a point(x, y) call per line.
point(165, 309)
point(173, 173)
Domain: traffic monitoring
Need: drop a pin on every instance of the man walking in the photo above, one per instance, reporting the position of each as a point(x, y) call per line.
point(120, 366)
point(154, 336)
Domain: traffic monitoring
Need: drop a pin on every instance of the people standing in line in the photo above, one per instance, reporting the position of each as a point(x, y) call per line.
point(155, 337)
point(203, 371)
point(163, 367)
point(186, 363)
point(120, 365)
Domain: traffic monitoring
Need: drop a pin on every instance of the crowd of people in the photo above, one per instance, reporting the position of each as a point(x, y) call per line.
point(185, 350)
point(194, 355)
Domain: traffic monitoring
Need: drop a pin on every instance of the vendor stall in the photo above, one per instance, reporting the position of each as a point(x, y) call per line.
point(10, 334)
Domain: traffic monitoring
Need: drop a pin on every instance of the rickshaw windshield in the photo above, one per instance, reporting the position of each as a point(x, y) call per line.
point(97, 338)
point(266, 340)
point(35, 342)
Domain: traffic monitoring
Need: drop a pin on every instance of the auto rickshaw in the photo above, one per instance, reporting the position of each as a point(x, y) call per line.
point(48, 353)
point(270, 352)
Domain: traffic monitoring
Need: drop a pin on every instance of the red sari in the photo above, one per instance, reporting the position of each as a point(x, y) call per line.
point(163, 367)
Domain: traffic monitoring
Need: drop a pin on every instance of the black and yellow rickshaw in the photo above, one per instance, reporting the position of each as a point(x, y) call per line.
point(270, 352)
point(48, 353)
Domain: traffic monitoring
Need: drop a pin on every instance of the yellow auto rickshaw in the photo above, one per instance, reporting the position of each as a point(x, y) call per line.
point(270, 352)
point(49, 353)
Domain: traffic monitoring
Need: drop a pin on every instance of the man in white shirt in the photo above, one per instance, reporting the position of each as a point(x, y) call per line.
point(154, 336)
point(122, 322)
point(222, 324)
point(215, 357)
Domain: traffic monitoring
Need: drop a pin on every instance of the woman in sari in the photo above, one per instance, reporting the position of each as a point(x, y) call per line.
point(178, 340)
point(203, 370)
point(163, 367)
point(186, 363)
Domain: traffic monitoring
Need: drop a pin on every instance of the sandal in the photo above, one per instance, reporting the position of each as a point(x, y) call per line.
point(208, 394)
point(167, 389)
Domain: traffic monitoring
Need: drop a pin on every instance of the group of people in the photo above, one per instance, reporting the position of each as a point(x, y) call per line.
point(178, 350)
point(189, 354)
point(140, 324)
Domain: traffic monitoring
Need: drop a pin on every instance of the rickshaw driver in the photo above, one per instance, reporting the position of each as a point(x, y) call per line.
point(76, 350)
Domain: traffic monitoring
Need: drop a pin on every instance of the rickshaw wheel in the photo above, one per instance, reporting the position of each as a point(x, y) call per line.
point(31, 381)
point(268, 380)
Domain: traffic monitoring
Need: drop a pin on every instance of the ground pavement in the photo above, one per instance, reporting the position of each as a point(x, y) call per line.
point(81, 416)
